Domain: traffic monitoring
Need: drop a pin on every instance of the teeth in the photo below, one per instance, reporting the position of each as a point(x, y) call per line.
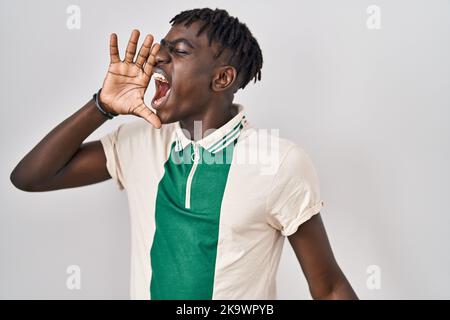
point(160, 77)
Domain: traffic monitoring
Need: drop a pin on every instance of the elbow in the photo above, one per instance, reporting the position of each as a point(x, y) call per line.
point(338, 289)
point(19, 182)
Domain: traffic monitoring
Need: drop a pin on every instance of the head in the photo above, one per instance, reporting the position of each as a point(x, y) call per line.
point(206, 56)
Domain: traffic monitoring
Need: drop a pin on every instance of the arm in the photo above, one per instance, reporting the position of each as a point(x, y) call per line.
point(60, 160)
point(312, 248)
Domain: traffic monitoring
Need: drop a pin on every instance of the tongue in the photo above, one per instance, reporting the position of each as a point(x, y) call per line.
point(162, 90)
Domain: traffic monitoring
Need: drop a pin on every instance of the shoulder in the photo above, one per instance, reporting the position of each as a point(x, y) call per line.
point(295, 163)
point(273, 152)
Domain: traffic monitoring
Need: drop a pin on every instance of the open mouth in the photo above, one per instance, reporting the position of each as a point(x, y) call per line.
point(162, 90)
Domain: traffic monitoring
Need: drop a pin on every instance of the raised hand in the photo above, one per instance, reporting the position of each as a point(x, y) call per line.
point(126, 81)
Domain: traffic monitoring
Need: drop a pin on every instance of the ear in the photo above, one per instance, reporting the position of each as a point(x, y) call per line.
point(224, 78)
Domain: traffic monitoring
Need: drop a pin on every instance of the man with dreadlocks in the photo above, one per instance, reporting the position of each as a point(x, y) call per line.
point(209, 208)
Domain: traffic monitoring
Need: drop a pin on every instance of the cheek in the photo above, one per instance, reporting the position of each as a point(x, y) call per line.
point(192, 83)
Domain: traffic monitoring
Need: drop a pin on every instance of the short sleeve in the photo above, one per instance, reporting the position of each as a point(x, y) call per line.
point(295, 192)
point(112, 147)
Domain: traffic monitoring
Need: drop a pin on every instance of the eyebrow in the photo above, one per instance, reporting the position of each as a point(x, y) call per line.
point(174, 42)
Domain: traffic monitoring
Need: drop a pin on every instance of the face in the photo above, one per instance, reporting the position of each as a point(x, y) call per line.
point(188, 65)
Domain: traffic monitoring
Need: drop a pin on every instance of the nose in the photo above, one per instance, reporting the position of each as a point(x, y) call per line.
point(162, 56)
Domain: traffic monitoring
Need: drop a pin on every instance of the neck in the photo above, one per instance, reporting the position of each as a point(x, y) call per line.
point(214, 117)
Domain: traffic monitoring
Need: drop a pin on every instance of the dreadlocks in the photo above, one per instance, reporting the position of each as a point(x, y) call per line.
point(231, 34)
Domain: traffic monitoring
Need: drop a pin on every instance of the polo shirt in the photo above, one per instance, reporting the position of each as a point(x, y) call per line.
point(209, 216)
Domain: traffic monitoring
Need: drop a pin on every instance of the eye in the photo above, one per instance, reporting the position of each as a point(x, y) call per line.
point(181, 51)
point(178, 51)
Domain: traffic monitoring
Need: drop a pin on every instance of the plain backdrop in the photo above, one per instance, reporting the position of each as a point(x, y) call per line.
point(370, 106)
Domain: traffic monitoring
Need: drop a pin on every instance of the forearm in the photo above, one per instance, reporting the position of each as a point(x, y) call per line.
point(56, 149)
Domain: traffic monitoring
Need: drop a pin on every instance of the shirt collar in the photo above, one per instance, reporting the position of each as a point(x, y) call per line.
point(219, 138)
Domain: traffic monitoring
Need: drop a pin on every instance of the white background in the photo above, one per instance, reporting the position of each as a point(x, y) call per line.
point(371, 108)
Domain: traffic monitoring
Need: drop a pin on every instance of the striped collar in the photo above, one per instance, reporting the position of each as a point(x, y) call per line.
point(219, 138)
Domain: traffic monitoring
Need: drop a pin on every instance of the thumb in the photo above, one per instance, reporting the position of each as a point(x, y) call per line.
point(144, 112)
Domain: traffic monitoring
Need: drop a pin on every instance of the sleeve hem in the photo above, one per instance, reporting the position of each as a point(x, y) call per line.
point(303, 217)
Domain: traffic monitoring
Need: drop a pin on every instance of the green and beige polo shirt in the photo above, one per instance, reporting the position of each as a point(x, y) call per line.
point(209, 216)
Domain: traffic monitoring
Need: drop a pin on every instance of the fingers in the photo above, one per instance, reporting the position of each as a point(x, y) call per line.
point(151, 60)
point(144, 112)
point(113, 48)
point(144, 51)
point(131, 47)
